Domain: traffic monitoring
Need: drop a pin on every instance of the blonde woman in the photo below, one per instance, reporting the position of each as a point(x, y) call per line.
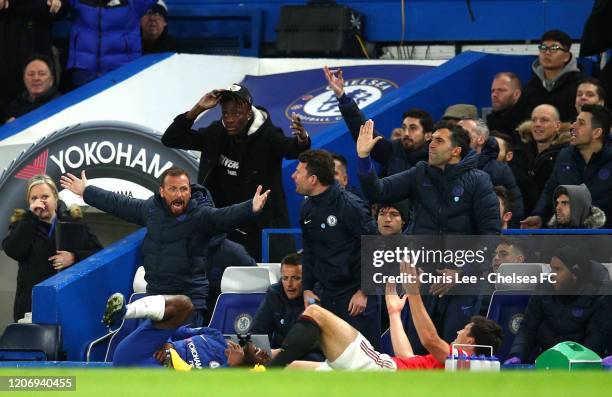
point(31, 240)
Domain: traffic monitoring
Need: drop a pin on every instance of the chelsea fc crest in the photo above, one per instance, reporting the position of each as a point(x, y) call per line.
point(332, 221)
point(242, 323)
point(320, 106)
point(515, 323)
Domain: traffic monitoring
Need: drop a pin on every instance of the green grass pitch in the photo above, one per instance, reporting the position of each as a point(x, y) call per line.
point(238, 382)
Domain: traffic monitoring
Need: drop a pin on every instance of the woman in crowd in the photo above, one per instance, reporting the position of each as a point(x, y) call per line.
point(31, 239)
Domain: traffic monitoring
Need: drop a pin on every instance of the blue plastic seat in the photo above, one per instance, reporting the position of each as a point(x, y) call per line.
point(234, 311)
point(507, 310)
point(31, 342)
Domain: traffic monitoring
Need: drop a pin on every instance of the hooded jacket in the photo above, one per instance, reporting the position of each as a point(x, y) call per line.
point(173, 248)
point(583, 317)
point(457, 200)
point(105, 34)
point(570, 169)
point(259, 161)
point(501, 175)
point(31, 242)
point(390, 154)
point(559, 92)
point(583, 214)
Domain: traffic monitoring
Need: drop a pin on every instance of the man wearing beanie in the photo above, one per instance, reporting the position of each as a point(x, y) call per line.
point(574, 209)
point(575, 308)
point(154, 30)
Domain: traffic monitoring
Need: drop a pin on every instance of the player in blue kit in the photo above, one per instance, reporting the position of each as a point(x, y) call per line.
point(162, 340)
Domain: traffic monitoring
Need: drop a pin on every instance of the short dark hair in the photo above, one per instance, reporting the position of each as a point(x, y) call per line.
point(458, 135)
point(172, 171)
point(505, 196)
point(43, 58)
point(292, 259)
point(504, 137)
point(320, 163)
point(485, 332)
point(398, 206)
point(342, 161)
point(600, 118)
point(514, 243)
point(558, 36)
point(424, 118)
point(514, 79)
point(601, 91)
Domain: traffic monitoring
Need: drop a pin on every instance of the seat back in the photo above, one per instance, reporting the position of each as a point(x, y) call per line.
point(507, 309)
point(274, 270)
point(31, 342)
point(124, 330)
point(508, 270)
point(245, 279)
point(385, 343)
point(234, 312)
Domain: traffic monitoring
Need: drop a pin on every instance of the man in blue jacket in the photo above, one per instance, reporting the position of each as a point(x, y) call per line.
point(450, 196)
point(587, 160)
point(332, 221)
point(176, 225)
point(162, 340)
point(394, 155)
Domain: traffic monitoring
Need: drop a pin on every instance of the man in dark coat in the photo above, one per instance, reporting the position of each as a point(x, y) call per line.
point(555, 76)
point(176, 226)
point(508, 105)
point(450, 196)
point(587, 160)
point(239, 152)
point(154, 31)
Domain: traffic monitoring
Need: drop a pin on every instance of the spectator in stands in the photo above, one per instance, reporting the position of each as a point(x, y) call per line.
point(154, 30)
point(393, 155)
point(574, 209)
point(543, 138)
point(25, 30)
point(39, 81)
point(177, 225)
point(555, 76)
point(505, 205)
point(31, 240)
point(460, 111)
point(162, 340)
point(500, 173)
point(332, 222)
point(341, 174)
point(573, 309)
point(346, 348)
point(506, 148)
point(450, 196)
point(283, 305)
point(103, 37)
point(589, 91)
point(508, 108)
point(507, 251)
point(239, 152)
point(586, 161)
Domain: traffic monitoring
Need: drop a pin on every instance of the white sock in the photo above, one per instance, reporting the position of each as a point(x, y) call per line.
point(152, 307)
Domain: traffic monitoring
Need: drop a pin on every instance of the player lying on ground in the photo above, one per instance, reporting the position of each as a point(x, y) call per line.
point(162, 339)
point(345, 348)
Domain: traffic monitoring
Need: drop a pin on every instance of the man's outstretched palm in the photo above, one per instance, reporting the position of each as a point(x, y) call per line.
point(73, 183)
point(366, 139)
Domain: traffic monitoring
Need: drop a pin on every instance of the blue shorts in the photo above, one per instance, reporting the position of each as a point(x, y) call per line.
point(138, 347)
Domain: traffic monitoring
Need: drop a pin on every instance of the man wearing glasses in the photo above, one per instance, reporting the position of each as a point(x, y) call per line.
point(555, 75)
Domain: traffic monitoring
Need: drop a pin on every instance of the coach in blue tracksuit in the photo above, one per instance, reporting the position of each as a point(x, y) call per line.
point(332, 222)
point(177, 224)
point(587, 160)
point(450, 196)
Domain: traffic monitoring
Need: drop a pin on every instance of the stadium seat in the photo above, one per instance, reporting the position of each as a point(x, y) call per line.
point(245, 279)
point(507, 309)
point(385, 343)
point(234, 311)
point(274, 270)
point(103, 348)
point(31, 342)
point(520, 269)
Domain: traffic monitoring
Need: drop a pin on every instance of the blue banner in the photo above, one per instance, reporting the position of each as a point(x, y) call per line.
point(307, 94)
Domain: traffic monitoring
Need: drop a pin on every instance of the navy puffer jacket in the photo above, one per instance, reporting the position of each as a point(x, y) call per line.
point(457, 200)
